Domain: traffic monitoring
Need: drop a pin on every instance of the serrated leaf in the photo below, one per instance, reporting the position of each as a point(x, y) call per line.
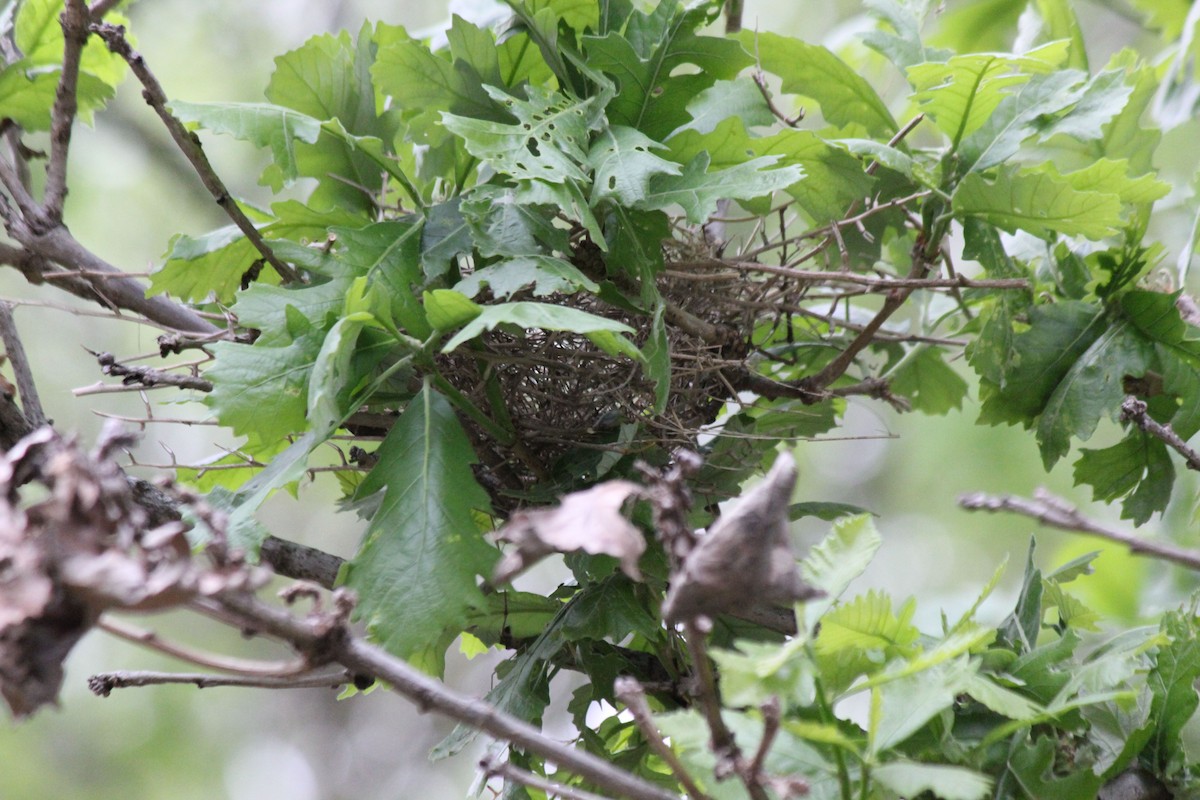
point(813, 71)
point(739, 98)
point(928, 382)
point(329, 77)
point(902, 707)
point(867, 623)
point(501, 225)
point(263, 390)
point(548, 317)
point(1172, 683)
point(263, 306)
point(1092, 388)
point(27, 98)
point(548, 143)
point(1037, 202)
point(624, 165)
point(609, 610)
point(415, 572)
point(389, 254)
point(698, 191)
point(261, 124)
point(545, 274)
point(756, 671)
point(910, 779)
point(843, 555)
point(445, 237)
point(1137, 468)
point(645, 60)
point(1031, 764)
point(1000, 699)
point(963, 92)
point(902, 45)
point(1111, 177)
point(833, 179)
point(1058, 335)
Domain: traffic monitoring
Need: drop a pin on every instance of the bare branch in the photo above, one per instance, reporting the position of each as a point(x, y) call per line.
point(30, 403)
point(149, 377)
point(1056, 513)
point(74, 20)
point(340, 646)
point(189, 143)
point(498, 767)
point(298, 561)
point(629, 692)
point(103, 683)
point(1134, 410)
point(237, 666)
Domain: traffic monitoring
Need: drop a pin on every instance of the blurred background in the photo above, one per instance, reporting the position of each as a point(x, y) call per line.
point(130, 192)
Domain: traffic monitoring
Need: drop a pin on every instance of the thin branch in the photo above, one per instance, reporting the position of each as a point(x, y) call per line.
point(760, 81)
point(1134, 410)
point(498, 768)
point(771, 712)
point(189, 143)
point(236, 666)
point(300, 562)
point(875, 284)
point(1056, 513)
point(74, 22)
point(629, 692)
point(101, 7)
point(149, 377)
point(26, 387)
point(103, 683)
point(339, 645)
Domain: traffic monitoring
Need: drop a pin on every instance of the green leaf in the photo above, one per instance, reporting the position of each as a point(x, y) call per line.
point(756, 671)
point(910, 779)
point(963, 92)
point(1058, 335)
point(546, 274)
point(624, 165)
point(867, 623)
point(604, 333)
point(739, 98)
point(501, 225)
point(263, 389)
point(389, 254)
point(646, 58)
point(930, 384)
point(833, 179)
point(261, 124)
point(1136, 467)
point(444, 238)
point(25, 97)
point(902, 45)
point(329, 78)
point(1092, 388)
point(1019, 631)
point(264, 307)
point(610, 609)
point(447, 309)
point(1038, 202)
point(901, 707)
point(548, 143)
point(1032, 767)
point(1111, 177)
point(415, 573)
point(843, 555)
point(698, 191)
point(813, 71)
point(1172, 683)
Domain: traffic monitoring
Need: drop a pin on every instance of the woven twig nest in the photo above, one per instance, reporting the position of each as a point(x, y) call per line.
point(571, 403)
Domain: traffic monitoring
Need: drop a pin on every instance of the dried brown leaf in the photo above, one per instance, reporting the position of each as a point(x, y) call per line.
point(746, 557)
point(591, 521)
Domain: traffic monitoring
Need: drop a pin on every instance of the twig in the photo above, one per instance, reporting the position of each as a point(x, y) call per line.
point(74, 20)
point(760, 81)
point(1134, 410)
point(339, 645)
point(103, 683)
point(236, 666)
point(629, 692)
point(771, 712)
point(189, 143)
point(877, 284)
point(498, 768)
point(26, 387)
point(301, 562)
point(101, 7)
point(149, 377)
point(1056, 513)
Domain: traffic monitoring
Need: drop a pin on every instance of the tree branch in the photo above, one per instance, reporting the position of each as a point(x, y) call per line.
point(1134, 410)
point(1056, 513)
point(496, 767)
point(337, 644)
point(189, 143)
point(103, 683)
point(149, 376)
point(629, 692)
point(27, 389)
point(74, 20)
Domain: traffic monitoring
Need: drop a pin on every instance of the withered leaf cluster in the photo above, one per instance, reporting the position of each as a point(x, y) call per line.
point(74, 543)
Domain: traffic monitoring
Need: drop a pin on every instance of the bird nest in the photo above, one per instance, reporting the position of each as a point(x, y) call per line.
point(567, 398)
